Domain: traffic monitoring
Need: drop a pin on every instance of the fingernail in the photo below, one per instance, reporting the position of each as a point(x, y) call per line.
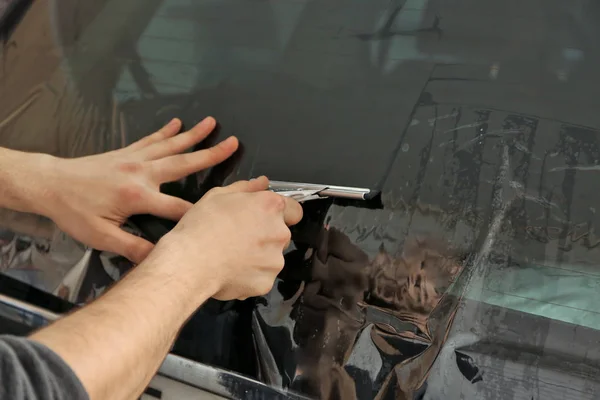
point(173, 122)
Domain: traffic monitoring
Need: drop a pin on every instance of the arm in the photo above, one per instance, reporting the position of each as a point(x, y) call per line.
point(116, 344)
point(18, 198)
point(17, 171)
point(228, 246)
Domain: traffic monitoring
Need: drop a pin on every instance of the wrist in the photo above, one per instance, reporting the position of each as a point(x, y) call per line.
point(175, 260)
point(27, 181)
point(46, 184)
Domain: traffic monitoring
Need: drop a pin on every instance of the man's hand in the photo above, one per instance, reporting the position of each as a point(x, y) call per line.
point(91, 197)
point(231, 241)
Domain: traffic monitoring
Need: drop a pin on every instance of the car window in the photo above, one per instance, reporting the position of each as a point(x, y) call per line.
point(477, 121)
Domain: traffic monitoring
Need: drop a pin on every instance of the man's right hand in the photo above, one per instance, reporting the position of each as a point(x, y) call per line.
point(232, 240)
point(229, 245)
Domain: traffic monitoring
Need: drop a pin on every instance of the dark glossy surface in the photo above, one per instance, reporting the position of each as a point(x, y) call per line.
point(476, 277)
point(21, 318)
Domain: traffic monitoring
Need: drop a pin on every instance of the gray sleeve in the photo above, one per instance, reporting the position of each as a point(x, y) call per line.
point(30, 370)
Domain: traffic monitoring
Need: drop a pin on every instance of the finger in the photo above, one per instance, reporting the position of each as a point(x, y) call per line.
point(254, 185)
point(264, 286)
point(173, 168)
point(116, 240)
point(169, 207)
point(163, 133)
point(285, 239)
point(181, 142)
point(293, 212)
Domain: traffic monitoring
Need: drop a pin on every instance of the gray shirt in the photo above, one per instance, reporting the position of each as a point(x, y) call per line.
point(30, 370)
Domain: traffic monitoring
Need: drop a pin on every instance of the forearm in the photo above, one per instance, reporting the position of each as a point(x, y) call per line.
point(125, 335)
point(24, 180)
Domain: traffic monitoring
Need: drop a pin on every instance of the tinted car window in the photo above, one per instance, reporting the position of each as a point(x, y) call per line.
point(477, 273)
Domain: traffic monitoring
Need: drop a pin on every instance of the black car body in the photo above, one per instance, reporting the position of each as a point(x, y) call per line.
point(474, 274)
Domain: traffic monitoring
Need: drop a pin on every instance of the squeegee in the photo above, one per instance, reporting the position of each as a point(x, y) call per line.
point(311, 191)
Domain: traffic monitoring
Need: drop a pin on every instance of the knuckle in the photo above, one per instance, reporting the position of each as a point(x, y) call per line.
point(130, 167)
point(171, 145)
point(131, 252)
point(265, 287)
point(177, 208)
point(136, 251)
point(213, 192)
point(215, 152)
point(185, 161)
point(130, 193)
point(285, 235)
point(274, 201)
point(279, 262)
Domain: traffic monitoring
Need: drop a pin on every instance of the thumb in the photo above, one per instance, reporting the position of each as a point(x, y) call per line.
point(254, 185)
point(118, 241)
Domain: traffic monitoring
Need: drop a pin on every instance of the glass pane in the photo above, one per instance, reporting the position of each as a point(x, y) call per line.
point(475, 274)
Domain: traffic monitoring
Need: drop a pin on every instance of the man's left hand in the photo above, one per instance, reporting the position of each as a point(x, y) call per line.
point(90, 197)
